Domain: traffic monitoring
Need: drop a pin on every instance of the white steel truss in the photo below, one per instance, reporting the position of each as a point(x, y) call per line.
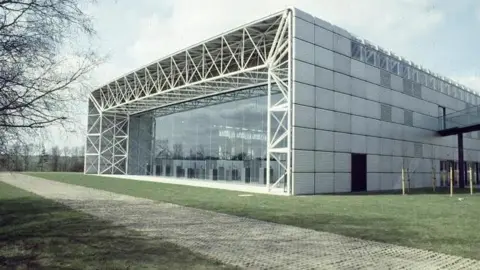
point(225, 68)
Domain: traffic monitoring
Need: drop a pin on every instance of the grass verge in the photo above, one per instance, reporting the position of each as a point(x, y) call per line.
point(427, 221)
point(36, 233)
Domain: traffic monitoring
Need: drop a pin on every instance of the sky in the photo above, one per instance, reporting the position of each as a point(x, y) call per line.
point(440, 35)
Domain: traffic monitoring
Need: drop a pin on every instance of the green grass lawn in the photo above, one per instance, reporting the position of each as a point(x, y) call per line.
point(428, 221)
point(36, 233)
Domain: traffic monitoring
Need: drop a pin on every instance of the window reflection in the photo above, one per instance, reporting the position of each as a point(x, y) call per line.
point(221, 142)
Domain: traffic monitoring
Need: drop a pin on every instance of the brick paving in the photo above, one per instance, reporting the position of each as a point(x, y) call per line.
point(238, 241)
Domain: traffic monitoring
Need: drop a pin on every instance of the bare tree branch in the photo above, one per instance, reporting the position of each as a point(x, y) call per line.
point(39, 77)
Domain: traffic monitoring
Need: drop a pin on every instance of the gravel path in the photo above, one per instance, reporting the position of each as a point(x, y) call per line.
point(238, 241)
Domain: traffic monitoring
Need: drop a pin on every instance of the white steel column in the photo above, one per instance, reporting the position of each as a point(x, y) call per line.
point(280, 112)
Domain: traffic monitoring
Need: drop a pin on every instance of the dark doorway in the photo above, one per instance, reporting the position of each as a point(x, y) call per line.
point(359, 172)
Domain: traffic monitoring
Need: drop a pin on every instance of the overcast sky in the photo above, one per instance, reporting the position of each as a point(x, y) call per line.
point(440, 35)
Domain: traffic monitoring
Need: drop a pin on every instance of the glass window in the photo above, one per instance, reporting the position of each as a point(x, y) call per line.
point(382, 59)
point(370, 56)
point(357, 51)
point(422, 78)
point(224, 142)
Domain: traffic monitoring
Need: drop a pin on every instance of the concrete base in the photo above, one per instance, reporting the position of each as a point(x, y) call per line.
point(220, 184)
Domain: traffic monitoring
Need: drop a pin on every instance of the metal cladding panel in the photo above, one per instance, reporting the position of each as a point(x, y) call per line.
point(323, 38)
point(342, 162)
point(342, 63)
point(304, 30)
point(324, 140)
point(324, 161)
point(324, 183)
point(372, 74)
point(359, 143)
point(342, 182)
point(324, 119)
point(342, 122)
point(342, 45)
point(342, 142)
point(359, 88)
point(342, 102)
point(342, 83)
point(373, 181)
point(324, 98)
point(357, 69)
point(304, 116)
point(304, 161)
point(304, 51)
point(323, 78)
point(304, 72)
point(324, 58)
point(304, 138)
point(304, 183)
point(304, 94)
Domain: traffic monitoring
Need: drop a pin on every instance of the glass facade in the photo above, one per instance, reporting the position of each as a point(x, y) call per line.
point(226, 142)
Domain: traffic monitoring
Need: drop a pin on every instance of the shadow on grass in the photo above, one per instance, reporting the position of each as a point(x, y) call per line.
point(36, 233)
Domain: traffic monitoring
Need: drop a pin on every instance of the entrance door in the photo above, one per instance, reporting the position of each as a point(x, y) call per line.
point(359, 172)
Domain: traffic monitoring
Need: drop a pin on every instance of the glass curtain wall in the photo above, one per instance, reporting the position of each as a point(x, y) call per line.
point(226, 142)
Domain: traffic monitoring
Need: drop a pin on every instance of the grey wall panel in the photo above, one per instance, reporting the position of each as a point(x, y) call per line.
point(324, 183)
point(303, 161)
point(304, 30)
point(324, 119)
point(324, 161)
point(342, 162)
point(342, 122)
point(357, 69)
point(373, 145)
point(372, 74)
point(359, 144)
point(324, 140)
point(303, 116)
point(372, 92)
point(359, 88)
point(323, 37)
point(342, 182)
point(342, 63)
point(342, 142)
point(303, 138)
point(304, 94)
point(304, 183)
point(359, 125)
point(304, 72)
point(323, 78)
point(373, 163)
point(323, 57)
point(373, 181)
point(397, 83)
point(304, 51)
point(341, 44)
point(386, 181)
point(300, 14)
point(342, 102)
point(324, 98)
point(342, 83)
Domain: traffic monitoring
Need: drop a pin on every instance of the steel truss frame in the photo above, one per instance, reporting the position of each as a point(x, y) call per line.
point(249, 61)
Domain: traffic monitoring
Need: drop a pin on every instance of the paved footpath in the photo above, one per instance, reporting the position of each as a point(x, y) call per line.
point(235, 240)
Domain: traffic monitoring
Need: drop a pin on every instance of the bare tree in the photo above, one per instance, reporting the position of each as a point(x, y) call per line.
point(42, 158)
point(39, 77)
point(66, 164)
point(27, 156)
point(55, 156)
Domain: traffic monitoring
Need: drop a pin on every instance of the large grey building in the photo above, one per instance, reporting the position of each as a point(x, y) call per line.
point(289, 102)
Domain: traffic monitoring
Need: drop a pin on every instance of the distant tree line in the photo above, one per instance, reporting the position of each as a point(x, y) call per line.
point(31, 157)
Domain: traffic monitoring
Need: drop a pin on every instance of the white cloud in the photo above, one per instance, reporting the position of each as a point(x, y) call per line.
point(472, 81)
point(391, 24)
